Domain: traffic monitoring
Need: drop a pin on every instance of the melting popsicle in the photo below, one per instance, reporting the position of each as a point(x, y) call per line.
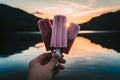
point(45, 27)
point(59, 34)
point(72, 32)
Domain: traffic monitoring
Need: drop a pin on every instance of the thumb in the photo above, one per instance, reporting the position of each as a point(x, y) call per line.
point(53, 61)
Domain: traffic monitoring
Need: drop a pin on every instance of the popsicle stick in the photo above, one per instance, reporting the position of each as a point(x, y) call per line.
point(58, 52)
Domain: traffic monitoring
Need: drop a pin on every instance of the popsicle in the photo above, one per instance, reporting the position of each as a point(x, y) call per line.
point(72, 32)
point(59, 34)
point(45, 27)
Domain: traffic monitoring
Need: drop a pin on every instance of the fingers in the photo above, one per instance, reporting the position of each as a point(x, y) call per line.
point(44, 58)
point(53, 61)
point(62, 56)
point(63, 61)
point(47, 58)
point(56, 56)
point(57, 69)
point(61, 67)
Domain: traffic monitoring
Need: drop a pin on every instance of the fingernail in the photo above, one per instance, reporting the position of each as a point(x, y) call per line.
point(64, 61)
point(56, 56)
point(61, 67)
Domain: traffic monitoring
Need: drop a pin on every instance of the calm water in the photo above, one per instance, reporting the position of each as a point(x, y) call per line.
point(87, 60)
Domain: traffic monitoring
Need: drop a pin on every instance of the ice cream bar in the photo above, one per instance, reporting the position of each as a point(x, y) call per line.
point(45, 27)
point(72, 32)
point(59, 33)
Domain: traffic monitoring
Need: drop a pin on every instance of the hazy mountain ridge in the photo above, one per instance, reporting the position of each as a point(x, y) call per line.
point(14, 19)
point(108, 21)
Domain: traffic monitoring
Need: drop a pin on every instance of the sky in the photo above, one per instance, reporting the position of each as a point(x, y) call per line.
point(77, 11)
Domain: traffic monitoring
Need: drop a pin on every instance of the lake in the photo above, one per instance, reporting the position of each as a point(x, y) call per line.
point(94, 55)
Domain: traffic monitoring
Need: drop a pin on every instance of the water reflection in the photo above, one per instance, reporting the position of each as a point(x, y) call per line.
point(86, 60)
point(23, 40)
point(80, 32)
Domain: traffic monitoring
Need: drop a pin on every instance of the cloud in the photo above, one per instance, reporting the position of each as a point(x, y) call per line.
point(92, 3)
point(77, 11)
point(74, 11)
point(37, 12)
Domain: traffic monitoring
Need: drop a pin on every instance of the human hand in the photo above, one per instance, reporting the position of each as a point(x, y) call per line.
point(43, 67)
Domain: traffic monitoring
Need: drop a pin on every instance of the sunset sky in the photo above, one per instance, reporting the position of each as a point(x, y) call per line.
point(78, 11)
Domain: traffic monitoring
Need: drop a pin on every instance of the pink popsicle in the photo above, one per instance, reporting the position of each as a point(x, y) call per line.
point(59, 34)
point(45, 27)
point(72, 32)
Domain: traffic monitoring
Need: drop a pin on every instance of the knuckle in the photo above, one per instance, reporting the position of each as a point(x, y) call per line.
point(32, 62)
point(50, 68)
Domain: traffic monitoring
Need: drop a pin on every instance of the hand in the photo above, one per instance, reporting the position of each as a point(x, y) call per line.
point(43, 67)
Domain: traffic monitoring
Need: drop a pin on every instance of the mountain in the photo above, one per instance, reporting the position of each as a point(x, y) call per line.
point(14, 19)
point(108, 21)
point(13, 22)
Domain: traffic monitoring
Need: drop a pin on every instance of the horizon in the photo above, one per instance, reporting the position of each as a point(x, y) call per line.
point(77, 11)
